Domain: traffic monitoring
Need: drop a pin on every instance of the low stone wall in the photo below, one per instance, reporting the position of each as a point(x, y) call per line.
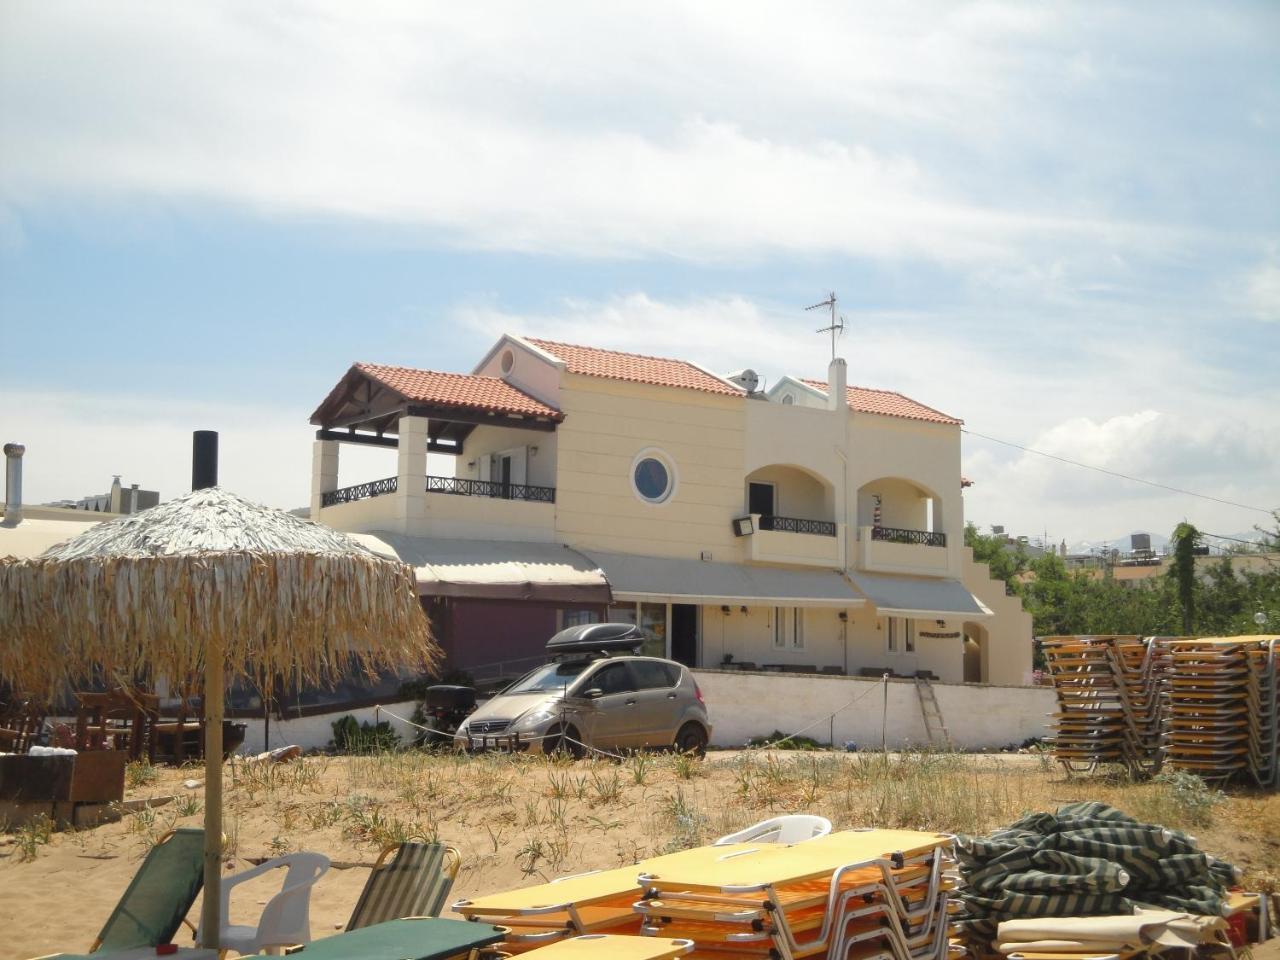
point(977, 716)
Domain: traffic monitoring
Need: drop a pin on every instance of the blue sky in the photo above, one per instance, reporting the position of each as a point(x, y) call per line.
point(1061, 223)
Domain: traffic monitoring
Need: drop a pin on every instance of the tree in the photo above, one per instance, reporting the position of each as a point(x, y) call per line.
point(1006, 561)
point(1183, 571)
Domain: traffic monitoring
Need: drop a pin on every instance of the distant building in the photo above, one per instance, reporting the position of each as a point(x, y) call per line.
point(119, 499)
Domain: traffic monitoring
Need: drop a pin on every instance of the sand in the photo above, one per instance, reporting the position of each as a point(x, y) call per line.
point(519, 822)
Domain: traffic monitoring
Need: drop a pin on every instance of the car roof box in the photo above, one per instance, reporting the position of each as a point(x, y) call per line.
point(596, 638)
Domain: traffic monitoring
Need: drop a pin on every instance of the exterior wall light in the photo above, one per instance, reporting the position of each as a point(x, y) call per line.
point(744, 609)
point(744, 527)
point(724, 608)
point(843, 615)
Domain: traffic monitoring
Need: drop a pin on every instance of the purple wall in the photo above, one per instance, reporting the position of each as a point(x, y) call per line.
point(478, 632)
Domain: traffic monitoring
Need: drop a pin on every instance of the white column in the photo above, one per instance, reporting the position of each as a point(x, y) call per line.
point(324, 472)
point(13, 483)
point(411, 476)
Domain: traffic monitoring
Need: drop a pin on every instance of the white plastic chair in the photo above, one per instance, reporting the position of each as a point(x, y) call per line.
point(286, 919)
point(793, 828)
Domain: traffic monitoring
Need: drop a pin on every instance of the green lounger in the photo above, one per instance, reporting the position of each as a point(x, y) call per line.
point(416, 883)
point(429, 938)
point(162, 891)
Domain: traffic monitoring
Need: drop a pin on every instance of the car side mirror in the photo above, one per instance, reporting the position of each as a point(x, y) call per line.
point(595, 693)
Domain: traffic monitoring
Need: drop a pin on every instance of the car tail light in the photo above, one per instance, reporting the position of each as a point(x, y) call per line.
point(697, 692)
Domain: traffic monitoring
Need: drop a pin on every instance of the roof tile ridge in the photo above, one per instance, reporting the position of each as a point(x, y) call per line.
point(621, 353)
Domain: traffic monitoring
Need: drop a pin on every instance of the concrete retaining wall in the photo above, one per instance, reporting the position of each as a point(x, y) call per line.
point(746, 705)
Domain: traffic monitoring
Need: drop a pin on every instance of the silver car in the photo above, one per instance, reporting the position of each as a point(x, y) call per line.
point(592, 698)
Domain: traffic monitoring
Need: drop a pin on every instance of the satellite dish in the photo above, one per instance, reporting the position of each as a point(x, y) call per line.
point(748, 380)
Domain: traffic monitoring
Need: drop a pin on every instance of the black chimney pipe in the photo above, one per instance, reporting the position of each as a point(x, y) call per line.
point(204, 459)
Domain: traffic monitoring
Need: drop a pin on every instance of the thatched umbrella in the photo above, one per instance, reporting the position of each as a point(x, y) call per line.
point(208, 584)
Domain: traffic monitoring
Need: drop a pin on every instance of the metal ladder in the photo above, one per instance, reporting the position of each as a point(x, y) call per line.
point(934, 726)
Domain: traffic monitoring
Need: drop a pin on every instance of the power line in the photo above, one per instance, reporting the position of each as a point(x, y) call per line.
point(1113, 473)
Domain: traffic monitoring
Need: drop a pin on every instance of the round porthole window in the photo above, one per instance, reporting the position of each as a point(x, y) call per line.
point(653, 477)
point(508, 361)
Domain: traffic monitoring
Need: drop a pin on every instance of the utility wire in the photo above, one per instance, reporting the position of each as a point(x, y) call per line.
point(1113, 473)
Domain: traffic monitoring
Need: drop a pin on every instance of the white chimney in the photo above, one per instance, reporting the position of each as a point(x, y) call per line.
point(13, 483)
point(837, 381)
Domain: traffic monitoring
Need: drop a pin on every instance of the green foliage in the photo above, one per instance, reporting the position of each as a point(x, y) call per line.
point(780, 741)
point(1223, 599)
point(1183, 571)
point(1006, 560)
point(350, 736)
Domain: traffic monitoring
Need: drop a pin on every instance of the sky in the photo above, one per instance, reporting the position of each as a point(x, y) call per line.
point(1060, 223)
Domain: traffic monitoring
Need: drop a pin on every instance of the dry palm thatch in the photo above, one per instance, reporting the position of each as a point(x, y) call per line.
point(149, 594)
point(207, 584)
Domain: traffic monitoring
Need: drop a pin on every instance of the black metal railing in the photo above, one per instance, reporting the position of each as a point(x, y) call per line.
point(491, 488)
point(361, 491)
point(925, 538)
point(819, 528)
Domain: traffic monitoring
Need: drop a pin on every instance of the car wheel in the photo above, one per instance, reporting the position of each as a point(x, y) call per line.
point(565, 741)
point(692, 739)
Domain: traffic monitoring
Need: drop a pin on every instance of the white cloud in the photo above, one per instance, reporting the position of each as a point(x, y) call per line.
point(1263, 291)
point(706, 132)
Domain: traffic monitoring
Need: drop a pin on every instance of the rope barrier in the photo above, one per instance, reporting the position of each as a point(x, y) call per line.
point(605, 753)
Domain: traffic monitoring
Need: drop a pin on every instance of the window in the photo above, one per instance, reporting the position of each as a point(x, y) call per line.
point(575, 618)
point(612, 678)
point(652, 675)
point(788, 628)
point(508, 360)
point(653, 621)
point(900, 632)
point(653, 476)
point(788, 399)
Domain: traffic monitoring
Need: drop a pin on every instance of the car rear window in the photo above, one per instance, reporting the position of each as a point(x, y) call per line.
point(651, 674)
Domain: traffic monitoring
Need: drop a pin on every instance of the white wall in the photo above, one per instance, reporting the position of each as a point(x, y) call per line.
point(314, 733)
point(745, 705)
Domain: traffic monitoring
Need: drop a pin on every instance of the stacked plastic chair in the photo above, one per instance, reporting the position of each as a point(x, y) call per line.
point(1223, 709)
point(1111, 701)
point(862, 894)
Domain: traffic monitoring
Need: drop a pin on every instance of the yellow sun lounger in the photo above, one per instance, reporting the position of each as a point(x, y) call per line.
point(599, 945)
point(754, 868)
point(617, 887)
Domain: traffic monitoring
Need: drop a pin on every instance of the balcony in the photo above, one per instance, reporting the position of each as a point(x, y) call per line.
point(455, 486)
point(901, 550)
point(813, 543)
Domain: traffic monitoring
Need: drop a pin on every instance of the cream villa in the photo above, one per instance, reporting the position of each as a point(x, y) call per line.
point(813, 528)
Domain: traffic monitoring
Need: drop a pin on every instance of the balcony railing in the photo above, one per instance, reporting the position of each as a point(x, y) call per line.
point(361, 491)
point(925, 538)
point(491, 488)
point(451, 485)
point(819, 528)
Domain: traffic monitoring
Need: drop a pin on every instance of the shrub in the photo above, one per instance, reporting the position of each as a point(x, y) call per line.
point(351, 736)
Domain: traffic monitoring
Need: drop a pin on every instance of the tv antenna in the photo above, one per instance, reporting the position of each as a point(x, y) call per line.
point(837, 323)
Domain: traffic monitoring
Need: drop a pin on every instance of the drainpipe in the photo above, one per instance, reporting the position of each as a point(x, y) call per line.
point(13, 483)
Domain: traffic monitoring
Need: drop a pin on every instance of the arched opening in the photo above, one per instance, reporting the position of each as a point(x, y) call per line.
point(783, 490)
point(894, 503)
point(975, 653)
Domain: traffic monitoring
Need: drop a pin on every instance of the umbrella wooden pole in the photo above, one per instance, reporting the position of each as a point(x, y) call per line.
point(214, 690)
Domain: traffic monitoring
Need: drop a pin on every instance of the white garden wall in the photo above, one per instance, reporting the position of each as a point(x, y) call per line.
point(314, 733)
point(746, 705)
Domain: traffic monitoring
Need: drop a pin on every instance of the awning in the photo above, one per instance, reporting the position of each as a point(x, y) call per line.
point(494, 569)
point(918, 596)
point(696, 581)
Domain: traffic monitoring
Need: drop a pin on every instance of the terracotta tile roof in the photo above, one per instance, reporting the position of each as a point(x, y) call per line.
point(635, 368)
point(888, 403)
point(457, 390)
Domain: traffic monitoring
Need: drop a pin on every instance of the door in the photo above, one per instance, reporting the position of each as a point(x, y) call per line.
point(504, 476)
point(684, 634)
point(760, 499)
point(658, 708)
point(610, 718)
